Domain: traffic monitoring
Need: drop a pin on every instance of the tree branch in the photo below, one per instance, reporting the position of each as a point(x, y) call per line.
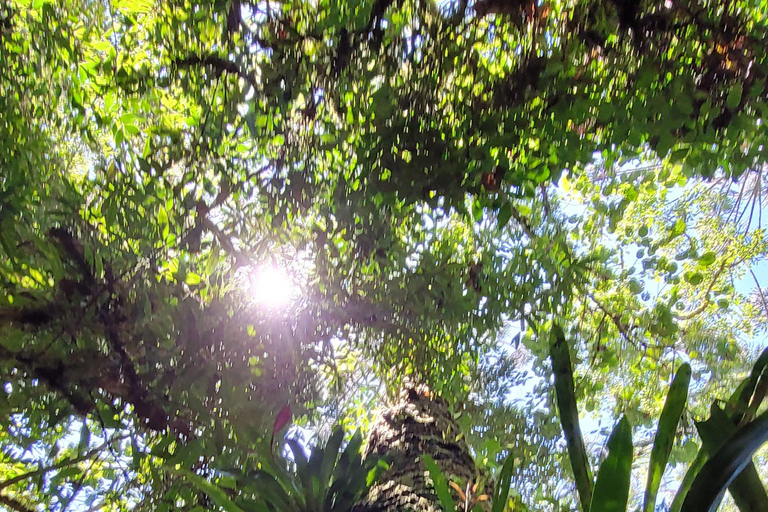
point(14, 504)
point(522, 222)
point(59, 465)
point(218, 64)
point(703, 307)
point(240, 258)
point(614, 318)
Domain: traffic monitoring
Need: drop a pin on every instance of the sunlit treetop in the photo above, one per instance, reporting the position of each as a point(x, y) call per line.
point(168, 167)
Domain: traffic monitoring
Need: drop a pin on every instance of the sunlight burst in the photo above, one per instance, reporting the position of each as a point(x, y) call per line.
point(272, 287)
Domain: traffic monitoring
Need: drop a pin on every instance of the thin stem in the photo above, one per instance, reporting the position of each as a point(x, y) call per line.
point(760, 291)
point(706, 302)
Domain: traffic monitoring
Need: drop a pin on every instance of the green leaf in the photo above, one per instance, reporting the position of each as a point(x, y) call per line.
point(273, 493)
point(678, 228)
point(665, 435)
point(688, 478)
point(734, 96)
point(331, 455)
point(440, 484)
point(505, 213)
point(746, 489)
point(612, 486)
point(707, 259)
point(694, 278)
point(745, 398)
point(134, 6)
point(569, 413)
point(299, 456)
point(725, 465)
point(501, 492)
point(85, 438)
point(162, 222)
point(217, 495)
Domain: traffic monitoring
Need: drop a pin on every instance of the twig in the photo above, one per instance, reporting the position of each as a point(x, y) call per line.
point(240, 258)
point(706, 302)
point(522, 221)
point(614, 318)
point(760, 291)
point(78, 486)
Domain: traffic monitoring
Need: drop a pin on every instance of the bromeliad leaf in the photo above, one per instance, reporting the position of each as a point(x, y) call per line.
point(688, 479)
point(501, 493)
point(612, 486)
point(725, 465)
point(440, 484)
point(746, 489)
point(665, 435)
point(569, 413)
point(217, 494)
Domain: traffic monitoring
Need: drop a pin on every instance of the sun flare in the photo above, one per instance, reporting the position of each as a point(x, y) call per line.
point(272, 287)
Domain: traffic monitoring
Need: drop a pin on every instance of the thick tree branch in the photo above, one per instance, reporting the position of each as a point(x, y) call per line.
point(14, 504)
point(61, 464)
point(218, 64)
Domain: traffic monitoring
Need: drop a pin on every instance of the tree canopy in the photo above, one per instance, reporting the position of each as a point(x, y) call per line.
point(435, 183)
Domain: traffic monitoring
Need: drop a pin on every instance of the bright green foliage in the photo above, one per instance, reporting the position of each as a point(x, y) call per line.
point(724, 461)
point(413, 164)
point(612, 484)
point(331, 479)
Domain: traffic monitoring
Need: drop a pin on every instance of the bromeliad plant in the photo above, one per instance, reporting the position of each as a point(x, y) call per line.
point(332, 479)
point(730, 437)
point(470, 499)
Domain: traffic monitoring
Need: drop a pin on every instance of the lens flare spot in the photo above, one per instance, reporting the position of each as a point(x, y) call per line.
point(272, 287)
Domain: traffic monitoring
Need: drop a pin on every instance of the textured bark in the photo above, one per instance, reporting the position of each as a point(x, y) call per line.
point(417, 424)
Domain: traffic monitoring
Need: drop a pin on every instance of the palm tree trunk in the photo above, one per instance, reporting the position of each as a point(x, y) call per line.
point(419, 423)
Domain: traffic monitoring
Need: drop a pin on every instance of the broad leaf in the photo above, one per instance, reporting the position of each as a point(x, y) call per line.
point(440, 484)
point(569, 413)
point(665, 434)
point(612, 486)
point(217, 494)
point(725, 465)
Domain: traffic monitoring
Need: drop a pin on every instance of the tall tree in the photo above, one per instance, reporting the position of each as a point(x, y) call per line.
point(420, 425)
point(399, 159)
